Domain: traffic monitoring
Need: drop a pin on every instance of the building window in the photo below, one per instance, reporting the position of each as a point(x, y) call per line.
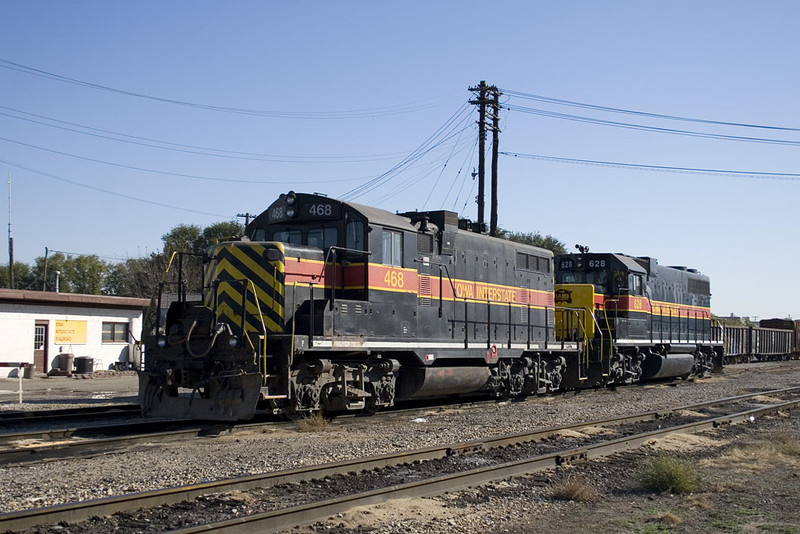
point(115, 332)
point(38, 337)
point(392, 248)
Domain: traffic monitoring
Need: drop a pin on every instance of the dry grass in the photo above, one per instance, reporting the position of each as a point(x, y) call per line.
point(667, 472)
point(700, 502)
point(573, 489)
point(314, 422)
point(780, 450)
point(666, 517)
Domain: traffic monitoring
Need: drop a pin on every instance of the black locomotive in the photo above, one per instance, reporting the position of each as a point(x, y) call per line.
point(646, 320)
point(331, 305)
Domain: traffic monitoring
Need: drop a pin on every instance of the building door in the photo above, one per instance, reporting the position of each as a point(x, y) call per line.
point(40, 347)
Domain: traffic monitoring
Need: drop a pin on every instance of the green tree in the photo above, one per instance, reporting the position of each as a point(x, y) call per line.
point(181, 238)
point(76, 274)
point(44, 270)
point(534, 238)
point(87, 274)
point(135, 277)
point(194, 239)
point(23, 279)
point(217, 232)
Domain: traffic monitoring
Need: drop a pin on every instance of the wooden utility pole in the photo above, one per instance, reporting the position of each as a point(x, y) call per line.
point(482, 101)
point(495, 144)
point(10, 240)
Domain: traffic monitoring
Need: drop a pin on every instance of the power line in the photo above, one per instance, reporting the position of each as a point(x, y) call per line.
point(189, 149)
point(178, 174)
point(316, 115)
point(631, 126)
point(106, 191)
point(455, 121)
point(573, 103)
point(788, 176)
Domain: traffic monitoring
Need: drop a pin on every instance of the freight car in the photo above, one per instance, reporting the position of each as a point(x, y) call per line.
point(331, 305)
point(772, 339)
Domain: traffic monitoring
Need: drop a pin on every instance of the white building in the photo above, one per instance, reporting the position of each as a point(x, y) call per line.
point(37, 326)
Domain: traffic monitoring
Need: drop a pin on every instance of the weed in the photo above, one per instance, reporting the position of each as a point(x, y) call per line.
point(573, 489)
point(665, 517)
point(314, 422)
point(667, 472)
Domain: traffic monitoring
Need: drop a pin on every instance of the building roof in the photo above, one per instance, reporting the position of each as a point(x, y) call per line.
point(21, 296)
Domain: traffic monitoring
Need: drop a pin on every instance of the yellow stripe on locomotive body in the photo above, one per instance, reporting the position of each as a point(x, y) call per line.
point(240, 268)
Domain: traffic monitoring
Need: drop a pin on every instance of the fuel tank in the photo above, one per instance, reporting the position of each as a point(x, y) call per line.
point(672, 365)
point(433, 381)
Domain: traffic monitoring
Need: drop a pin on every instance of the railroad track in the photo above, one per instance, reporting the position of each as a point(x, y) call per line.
point(34, 446)
point(84, 413)
point(304, 513)
point(85, 441)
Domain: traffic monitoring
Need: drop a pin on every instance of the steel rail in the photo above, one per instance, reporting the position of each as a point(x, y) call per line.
point(90, 412)
point(82, 447)
point(73, 512)
point(287, 518)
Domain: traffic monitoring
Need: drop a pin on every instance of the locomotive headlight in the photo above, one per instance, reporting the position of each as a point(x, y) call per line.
point(291, 212)
point(233, 342)
point(161, 342)
point(291, 198)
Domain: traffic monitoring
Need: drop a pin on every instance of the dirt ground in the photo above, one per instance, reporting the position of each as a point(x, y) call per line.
point(749, 483)
point(61, 391)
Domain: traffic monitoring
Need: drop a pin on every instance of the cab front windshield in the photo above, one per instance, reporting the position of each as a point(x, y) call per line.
point(599, 279)
point(316, 236)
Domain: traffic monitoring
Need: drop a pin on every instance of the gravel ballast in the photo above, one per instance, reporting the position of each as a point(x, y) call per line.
point(164, 465)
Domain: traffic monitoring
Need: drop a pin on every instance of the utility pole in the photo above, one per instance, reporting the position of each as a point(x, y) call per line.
point(10, 240)
point(482, 101)
point(495, 146)
point(246, 217)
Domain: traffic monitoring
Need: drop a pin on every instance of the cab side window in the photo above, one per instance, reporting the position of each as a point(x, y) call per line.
point(392, 248)
point(635, 284)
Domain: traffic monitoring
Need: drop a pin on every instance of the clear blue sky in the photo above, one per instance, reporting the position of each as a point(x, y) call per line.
point(344, 91)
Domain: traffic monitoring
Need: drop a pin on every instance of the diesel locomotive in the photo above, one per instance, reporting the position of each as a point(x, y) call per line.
point(335, 306)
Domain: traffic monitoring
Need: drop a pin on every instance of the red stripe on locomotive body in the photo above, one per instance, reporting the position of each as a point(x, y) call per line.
point(404, 280)
point(390, 278)
point(627, 303)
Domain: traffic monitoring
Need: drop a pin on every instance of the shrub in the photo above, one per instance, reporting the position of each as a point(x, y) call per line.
point(666, 472)
point(314, 422)
point(573, 489)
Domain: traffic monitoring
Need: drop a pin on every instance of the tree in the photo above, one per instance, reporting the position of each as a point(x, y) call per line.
point(195, 241)
point(87, 274)
point(534, 238)
point(76, 274)
point(23, 279)
point(135, 277)
point(182, 238)
point(217, 232)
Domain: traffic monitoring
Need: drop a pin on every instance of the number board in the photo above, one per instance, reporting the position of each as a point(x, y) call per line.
point(277, 213)
point(320, 210)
